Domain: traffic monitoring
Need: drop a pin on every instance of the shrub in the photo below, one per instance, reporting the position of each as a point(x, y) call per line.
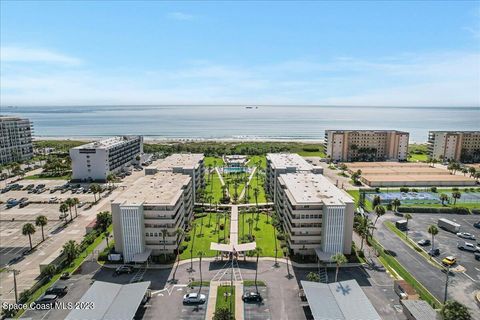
point(455, 210)
point(433, 189)
point(310, 149)
point(222, 226)
point(414, 190)
point(404, 189)
point(377, 190)
point(280, 237)
point(24, 295)
point(182, 248)
point(389, 206)
point(187, 238)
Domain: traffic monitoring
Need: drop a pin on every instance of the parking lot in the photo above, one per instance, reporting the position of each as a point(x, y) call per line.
point(447, 241)
point(257, 310)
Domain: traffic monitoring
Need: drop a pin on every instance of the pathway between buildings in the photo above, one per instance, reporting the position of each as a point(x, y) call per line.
point(248, 183)
point(221, 180)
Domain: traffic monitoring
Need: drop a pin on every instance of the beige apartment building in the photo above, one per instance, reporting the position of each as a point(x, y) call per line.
point(463, 146)
point(191, 164)
point(280, 163)
point(366, 145)
point(15, 139)
point(317, 216)
point(161, 201)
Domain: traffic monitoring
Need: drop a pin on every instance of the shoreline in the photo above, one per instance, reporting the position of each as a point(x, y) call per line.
point(150, 139)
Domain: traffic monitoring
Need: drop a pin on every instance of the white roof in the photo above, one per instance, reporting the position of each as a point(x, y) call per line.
point(344, 300)
point(186, 161)
point(108, 143)
point(112, 301)
point(231, 248)
point(289, 160)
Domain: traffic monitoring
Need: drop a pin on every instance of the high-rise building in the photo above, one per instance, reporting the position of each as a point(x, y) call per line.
point(280, 163)
point(15, 139)
point(159, 203)
point(316, 215)
point(186, 163)
point(463, 146)
point(95, 161)
point(366, 145)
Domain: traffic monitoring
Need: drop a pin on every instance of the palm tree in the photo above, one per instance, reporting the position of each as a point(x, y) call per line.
point(274, 224)
point(454, 310)
point(179, 232)
point(314, 277)
point(164, 233)
point(433, 230)
point(256, 192)
point(407, 217)
point(75, 203)
point(69, 203)
point(200, 255)
point(95, 188)
point(339, 259)
point(107, 234)
point(27, 230)
point(379, 211)
point(41, 221)
point(194, 226)
point(285, 252)
point(70, 250)
point(110, 178)
point(396, 203)
point(443, 197)
point(250, 223)
point(456, 195)
point(258, 252)
point(64, 209)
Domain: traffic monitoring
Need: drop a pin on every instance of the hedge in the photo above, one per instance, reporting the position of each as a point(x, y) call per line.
point(454, 210)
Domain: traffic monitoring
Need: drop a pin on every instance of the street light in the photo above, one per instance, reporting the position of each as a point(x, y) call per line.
point(15, 272)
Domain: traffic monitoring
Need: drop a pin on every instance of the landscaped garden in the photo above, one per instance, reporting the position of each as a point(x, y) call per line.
point(258, 181)
point(211, 227)
point(225, 301)
point(261, 231)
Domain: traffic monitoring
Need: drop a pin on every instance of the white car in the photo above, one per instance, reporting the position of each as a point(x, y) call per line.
point(194, 298)
point(466, 235)
point(468, 247)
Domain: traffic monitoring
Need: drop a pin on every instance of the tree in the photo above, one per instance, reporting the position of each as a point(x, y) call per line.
point(258, 251)
point(70, 204)
point(27, 230)
point(111, 178)
point(376, 201)
point(339, 259)
point(379, 211)
point(472, 171)
point(104, 219)
point(194, 227)
point(443, 197)
point(70, 250)
point(95, 188)
point(256, 193)
point(454, 310)
point(285, 252)
point(179, 232)
point(396, 203)
point(250, 224)
point(164, 233)
point(49, 270)
point(75, 203)
point(41, 221)
point(456, 195)
point(314, 277)
point(433, 230)
point(200, 255)
point(407, 217)
point(107, 234)
point(64, 209)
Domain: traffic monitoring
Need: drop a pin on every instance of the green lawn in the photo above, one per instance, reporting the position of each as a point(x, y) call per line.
point(254, 159)
point(210, 161)
point(254, 183)
point(39, 177)
point(202, 241)
point(229, 179)
point(469, 205)
point(356, 195)
point(214, 187)
point(320, 154)
point(263, 234)
point(417, 157)
point(225, 295)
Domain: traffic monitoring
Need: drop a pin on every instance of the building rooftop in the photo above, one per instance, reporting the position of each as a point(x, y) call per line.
point(107, 143)
point(162, 188)
point(310, 188)
point(452, 131)
point(289, 160)
point(344, 300)
point(420, 309)
point(181, 160)
point(364, 130)
point(11, 118)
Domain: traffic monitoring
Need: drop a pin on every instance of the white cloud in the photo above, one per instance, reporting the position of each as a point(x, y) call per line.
point(182, 16)
point(23, 54)
point(442, 79)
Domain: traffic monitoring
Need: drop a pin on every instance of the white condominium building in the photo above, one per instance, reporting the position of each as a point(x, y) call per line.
point(95, 161)
point(280, 163)
point(366, 145)
point(163, 201)
point(461, 146)
point(15, 139)
point(316, 215)
point(191, 164)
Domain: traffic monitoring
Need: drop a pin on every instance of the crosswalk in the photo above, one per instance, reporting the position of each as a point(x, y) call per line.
point(138, 275)
point(225, 273)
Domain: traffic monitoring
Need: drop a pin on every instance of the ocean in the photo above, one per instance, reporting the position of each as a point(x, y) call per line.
point(240, 122)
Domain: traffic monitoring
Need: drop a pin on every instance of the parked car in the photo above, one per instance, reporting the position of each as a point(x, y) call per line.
point(449, 261)
point(23, 199)
point(12, 204)
point(47, 299)
point(467, 246)
point(477, 256)
point(41, 190)
point(58, 290)
point(52, 200)
point(252, 296)
point(466, 235)
point(434, 252)
point(29, 187)
point(81, 204)
point(194, 297)
point(477, 224)
point(124, 269)
point(24, 204)
point(65, 276)
point(424, 242)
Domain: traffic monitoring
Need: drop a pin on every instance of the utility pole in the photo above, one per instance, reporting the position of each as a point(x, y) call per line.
point(446, 285)
point(15, 272)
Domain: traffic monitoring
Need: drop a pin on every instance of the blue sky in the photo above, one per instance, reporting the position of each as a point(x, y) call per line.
point(335, 53)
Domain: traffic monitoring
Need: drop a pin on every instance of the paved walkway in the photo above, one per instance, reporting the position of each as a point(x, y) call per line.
point(212, 299)
point(248, 183)
point(234, 226)
point(221, 180)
